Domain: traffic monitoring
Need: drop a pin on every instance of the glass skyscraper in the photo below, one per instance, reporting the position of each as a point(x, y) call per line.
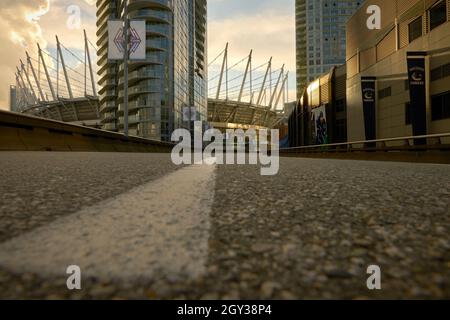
point(321, 38)
point(173, 76)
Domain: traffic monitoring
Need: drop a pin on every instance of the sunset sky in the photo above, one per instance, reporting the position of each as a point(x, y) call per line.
point(266, 26)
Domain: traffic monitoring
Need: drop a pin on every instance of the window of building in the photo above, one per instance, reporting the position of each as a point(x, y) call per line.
point(341, 131)
point(438, 14)
point(340, 105)
point(384, 93)
point(408, 113)
point(440, 72)
point(440, 106)
point(415, 29)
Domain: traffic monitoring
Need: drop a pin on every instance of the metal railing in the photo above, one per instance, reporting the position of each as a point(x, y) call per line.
point(379, 145)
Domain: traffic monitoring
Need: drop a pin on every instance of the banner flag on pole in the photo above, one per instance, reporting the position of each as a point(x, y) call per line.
point(369, 106)
point(115, 40)
point(189, 114)
point(417, 93)
point(137, 40)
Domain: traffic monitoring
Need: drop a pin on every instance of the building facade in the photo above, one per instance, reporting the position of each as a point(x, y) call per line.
point(323, 100)
point(407, 26)
point(172, 77)
point(320, 37)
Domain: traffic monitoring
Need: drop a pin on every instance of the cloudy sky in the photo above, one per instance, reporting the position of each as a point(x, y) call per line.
point(266, 26)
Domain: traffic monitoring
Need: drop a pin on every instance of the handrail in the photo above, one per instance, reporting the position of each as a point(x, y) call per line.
point(350, 144)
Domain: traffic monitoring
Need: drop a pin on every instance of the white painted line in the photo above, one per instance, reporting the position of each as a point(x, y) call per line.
point(157, 229)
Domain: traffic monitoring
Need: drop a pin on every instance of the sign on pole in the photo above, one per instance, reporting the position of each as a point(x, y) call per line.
point(418, 94)
point(116, 40)
point(137, 40)
point(189, 114)
point(369, 107)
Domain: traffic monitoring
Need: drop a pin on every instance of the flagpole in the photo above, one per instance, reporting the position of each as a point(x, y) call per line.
point(125, 69)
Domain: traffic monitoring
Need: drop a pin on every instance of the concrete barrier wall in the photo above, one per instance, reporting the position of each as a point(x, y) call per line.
point(20, 132)
point(436, 157)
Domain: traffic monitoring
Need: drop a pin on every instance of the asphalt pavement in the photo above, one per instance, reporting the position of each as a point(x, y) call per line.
point(142, 228)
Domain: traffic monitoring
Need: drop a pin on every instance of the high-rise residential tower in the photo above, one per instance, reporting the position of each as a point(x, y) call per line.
point(320, 36)
point(173, 76)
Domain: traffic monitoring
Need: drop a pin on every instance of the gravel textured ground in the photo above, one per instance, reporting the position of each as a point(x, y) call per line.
point(37, 188)
point(309, 232)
